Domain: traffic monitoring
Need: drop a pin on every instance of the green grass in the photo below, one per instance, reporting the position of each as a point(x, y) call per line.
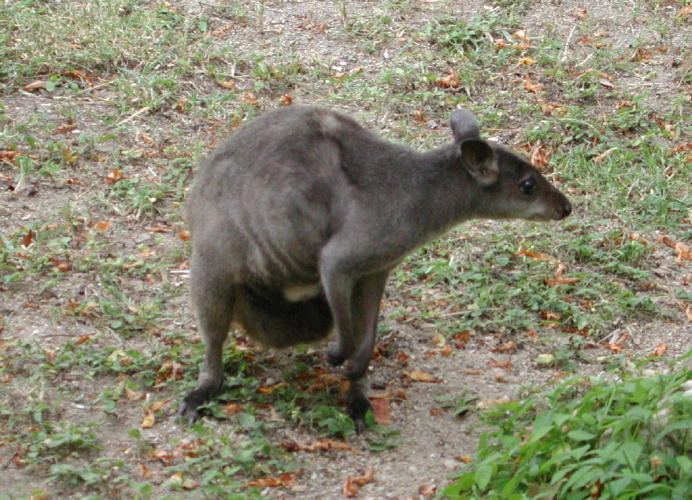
point(107, 107)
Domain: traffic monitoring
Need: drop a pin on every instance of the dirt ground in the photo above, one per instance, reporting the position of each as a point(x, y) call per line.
point(431, 445)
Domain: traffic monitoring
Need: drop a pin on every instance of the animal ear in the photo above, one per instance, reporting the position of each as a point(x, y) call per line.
point(464, 125)
point(478, 159)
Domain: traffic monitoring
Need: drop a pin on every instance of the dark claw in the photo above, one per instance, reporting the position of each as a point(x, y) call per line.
point(358, 406)
point(189, 409)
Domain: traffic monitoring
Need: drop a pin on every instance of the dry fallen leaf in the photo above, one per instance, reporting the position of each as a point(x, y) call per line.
point(660, 349)
point(449, 81)
point(66, 127)
point(532, 87)
point(428, 490)
point(103, 225)
point(353, 483)
point(226, 84)
point(540, 156)
point(273, 482)
point(133, 395)
point(420, 376)
point(143, 470)
point(382, 410)
point(114, 176)
point(149, 419)
point(28, 238)
point(165, 457)
point(535, 255)
point(506, 365)
point(508, 346)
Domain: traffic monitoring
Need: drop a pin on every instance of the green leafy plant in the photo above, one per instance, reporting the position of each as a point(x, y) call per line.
point(587, 438)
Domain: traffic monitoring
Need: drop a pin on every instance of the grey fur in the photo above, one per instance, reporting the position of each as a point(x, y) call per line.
point(299, 217)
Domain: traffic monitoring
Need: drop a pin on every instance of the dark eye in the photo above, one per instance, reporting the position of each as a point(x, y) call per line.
point(528, 186)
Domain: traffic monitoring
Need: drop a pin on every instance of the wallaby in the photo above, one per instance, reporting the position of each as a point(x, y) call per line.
point(299, 217)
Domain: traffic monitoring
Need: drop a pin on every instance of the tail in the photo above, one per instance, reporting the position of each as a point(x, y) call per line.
point(276, 322)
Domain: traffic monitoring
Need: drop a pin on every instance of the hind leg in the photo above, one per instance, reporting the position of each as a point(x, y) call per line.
point(213, 299)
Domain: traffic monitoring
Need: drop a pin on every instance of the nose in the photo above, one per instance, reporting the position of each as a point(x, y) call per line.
point(566, 208)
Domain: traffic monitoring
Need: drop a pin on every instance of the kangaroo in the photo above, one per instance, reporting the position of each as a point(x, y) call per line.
point(298, 219)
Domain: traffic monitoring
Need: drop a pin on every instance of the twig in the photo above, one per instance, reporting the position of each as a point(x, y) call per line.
point(133, 115)
point(569, 39)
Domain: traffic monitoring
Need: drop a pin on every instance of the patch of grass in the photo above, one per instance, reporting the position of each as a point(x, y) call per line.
point(586, 438)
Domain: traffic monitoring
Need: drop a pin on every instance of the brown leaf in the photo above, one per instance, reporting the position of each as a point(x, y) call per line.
point(286, 100)
point(420, 376)
point(133, 395)
point(232, 408)
point(184, 235)
point(218, 32)
point(660, 349)
point(353, 483)
point(506, 365)
point(535, 255)
point(103, 225)
point(428, 490)
point(9, 155)
point(82, 339)
point(157, 405)
point(549, 315)
point(461, 338)
point(250, 98)
point(143, 470)
point(540, 156)
point(319, 445)
point(149, 419)
point(449, 81)
point(61, 265)
point(28, 238)
point(66, 127)
point(163, 456)
point(273, 482)
point(382, 410)
point(532, 87)
point(683, 252)
point(114, 176)
point(509, 346)
point(685, 11)
point(226, 84)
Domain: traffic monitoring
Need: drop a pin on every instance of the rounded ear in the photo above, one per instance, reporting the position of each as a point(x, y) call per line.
point(478, 159)
point(464, 125)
